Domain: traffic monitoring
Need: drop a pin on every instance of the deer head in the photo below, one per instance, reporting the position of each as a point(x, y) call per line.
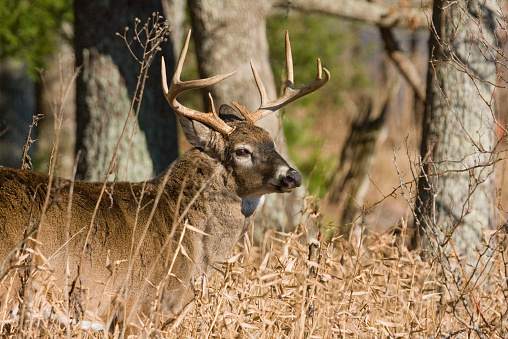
point(241, 143)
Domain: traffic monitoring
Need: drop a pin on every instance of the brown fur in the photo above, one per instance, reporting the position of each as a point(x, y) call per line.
point(220, 191)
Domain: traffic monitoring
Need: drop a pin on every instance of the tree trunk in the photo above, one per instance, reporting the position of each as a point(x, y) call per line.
point(17, 106)
point(457, 195)
point(174, 11)
point(228, 35)
point(60, 68)
point(105, 89)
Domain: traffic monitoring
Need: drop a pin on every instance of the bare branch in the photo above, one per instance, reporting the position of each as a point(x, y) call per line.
point(404, 65)
point(365, 11)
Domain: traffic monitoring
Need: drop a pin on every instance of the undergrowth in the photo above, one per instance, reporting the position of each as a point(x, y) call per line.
point(288, 286)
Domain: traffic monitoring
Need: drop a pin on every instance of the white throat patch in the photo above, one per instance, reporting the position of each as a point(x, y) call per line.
point(250, 205)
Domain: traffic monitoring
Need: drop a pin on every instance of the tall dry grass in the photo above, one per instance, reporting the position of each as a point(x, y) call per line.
point(289, 286)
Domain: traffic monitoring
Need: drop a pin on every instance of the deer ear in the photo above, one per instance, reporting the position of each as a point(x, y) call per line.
point(228, 113)
point(197, 134)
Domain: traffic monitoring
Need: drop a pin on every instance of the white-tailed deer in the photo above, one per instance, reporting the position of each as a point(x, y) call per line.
point(136, 249)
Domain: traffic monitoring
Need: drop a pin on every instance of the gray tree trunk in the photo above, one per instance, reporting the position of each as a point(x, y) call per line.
point(458, 137)
point(228, 35)
point(174, 11)
point(105, 89)
point(55, 78)
point(17, 106)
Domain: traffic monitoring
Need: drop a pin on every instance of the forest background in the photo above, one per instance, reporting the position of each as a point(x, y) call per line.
point(37, 37)
point(360, 141)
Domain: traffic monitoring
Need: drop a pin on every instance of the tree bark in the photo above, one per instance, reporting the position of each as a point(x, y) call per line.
point(60, 68)
point(457, 194)
point(228, 35)
point(174, 11)
point(17, 106)
point(105, 89)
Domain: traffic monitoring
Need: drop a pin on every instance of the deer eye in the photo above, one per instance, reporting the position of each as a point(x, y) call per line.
point(242, 152)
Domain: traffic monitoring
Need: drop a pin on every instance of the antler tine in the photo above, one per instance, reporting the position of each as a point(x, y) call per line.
point(290, 92)
point(259, 83)
point(177, 87)
point(262, 93)
point(289, 63)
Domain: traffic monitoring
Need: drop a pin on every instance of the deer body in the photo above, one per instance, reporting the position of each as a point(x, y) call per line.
point(148, 243)
point(223, 211)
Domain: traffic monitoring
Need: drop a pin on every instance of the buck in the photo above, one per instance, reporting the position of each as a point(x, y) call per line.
point(135, 250)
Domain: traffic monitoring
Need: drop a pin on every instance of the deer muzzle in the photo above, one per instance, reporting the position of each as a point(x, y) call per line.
point(292, 179)
point(286, 180)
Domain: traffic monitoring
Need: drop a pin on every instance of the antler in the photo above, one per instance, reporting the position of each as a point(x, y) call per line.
point(177, 86)
point(290, 92)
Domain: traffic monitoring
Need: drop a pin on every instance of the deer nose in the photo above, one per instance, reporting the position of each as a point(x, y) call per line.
point(293, 178)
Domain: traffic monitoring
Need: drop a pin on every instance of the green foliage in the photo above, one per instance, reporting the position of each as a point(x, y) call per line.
point(338, 46)
point(305, 149)
point(29, 29)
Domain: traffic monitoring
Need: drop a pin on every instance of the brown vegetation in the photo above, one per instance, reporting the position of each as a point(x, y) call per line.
point(287, 286)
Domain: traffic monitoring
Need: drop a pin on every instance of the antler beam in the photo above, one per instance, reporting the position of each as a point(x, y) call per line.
point(177, 87)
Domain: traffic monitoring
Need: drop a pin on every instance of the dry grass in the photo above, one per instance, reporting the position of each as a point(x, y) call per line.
point(295, 288)
point(289, 287)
